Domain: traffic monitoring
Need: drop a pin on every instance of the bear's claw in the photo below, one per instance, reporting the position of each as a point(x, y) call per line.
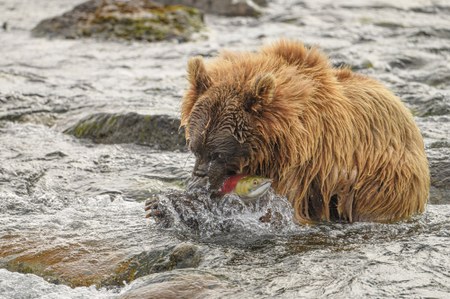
point(151, 208)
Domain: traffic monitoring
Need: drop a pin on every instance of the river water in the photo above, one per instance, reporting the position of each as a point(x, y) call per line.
point(72, 211)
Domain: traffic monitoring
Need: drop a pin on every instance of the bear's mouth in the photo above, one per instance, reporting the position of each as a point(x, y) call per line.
point(231, 173)
point(213, 185)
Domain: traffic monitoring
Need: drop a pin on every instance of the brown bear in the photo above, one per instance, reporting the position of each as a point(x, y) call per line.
point(339, 145)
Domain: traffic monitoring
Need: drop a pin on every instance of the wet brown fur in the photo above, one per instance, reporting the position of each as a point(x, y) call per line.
point(339, 145)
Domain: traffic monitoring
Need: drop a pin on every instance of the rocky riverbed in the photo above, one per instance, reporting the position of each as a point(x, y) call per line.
point(88, 132)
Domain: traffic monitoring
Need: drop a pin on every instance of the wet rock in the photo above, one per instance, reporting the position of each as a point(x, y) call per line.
point(434, 9)
point(224, 7)
point(55, 155)
point(261, 2)
point(407, 62)
point(440, 144)
point(75, 265)
point(184, 255)
point(389, 25)
point(364, 64)
point(440, 78)
point(440, 175)
point(434, 105)
point(341, 61)
point(41, 118)
point(123, 20)
point(157, 131)
point(56, 265)
point(178, 284)
point(33, 108)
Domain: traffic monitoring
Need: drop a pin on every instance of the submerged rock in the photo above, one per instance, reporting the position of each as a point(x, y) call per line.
point(33, 108)
point(435, 105)
point(77, 265)
point(184, 255)
point(179, 284)
point(158, 131)
point(56, 265)
point(126, 20)
point(440, 176)
point(229, 8)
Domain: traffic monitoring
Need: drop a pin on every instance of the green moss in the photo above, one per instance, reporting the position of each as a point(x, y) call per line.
point(148, 118)
point(81, 129)
point(124, 272)
point(142, 136)
point(158, 131)
point(159, 24)
point(26, 269)
point(367, 65)
point(111, 120)
point(122, 20)
point(89, 128)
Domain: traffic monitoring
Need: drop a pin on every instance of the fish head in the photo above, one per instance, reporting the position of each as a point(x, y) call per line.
point(252, 186)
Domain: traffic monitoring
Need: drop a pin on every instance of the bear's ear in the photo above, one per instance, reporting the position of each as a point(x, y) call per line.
point(197, 75)
point(264, 88)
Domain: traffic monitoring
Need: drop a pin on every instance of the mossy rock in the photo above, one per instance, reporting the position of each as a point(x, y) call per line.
point(124, 20)
point(183, 283)
point(157, 131)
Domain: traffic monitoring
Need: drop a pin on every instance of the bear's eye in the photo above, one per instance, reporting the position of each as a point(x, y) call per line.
point(248, 102)
point(255, 182)
point(217, 156)
point(196, 154)
point(192, 147)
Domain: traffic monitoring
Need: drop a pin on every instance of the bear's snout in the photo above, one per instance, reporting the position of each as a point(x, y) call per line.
point(201, 169)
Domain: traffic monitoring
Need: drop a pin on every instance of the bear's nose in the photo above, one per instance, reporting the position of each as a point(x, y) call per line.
point(200, 173)
point(201, 170)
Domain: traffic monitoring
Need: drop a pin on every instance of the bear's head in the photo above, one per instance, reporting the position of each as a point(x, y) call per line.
point(225, 120)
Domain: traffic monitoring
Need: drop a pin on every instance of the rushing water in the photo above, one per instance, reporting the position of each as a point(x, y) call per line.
point(72, 211)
